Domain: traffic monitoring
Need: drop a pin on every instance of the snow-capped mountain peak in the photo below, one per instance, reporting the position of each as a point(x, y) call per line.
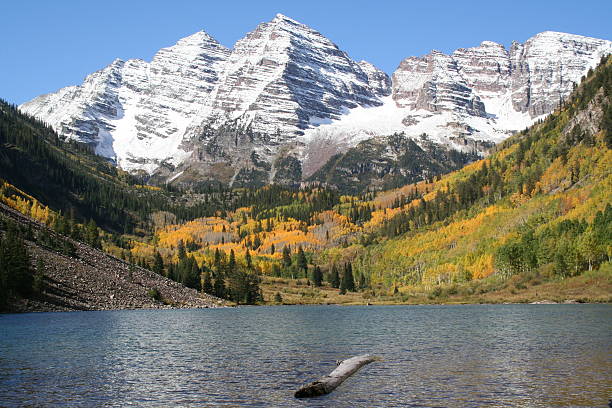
point(273, 73)
point(283, 18)
point(135, 112)
point(287, 96)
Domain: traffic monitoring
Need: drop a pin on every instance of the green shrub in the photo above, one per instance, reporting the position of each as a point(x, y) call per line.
point(154, 294)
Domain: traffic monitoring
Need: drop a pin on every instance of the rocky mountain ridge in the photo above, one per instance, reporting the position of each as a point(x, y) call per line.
point(286, 97)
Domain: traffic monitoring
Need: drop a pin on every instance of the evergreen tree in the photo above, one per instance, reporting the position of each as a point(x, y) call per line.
point(233, 289)
point(219, 275)
point(207, 286)
point(219, 285)
point(244, 287)
point(217, 261)
point(334, 277)
point(286, 257)
point(302, 262)
point(248, 260)
point(347, 283)
point(347, 278)
point(317, 276)
point(182, 254)
point(256, 242)
point(170, 272)
point(158, 264)
point(193, 278)
point(15, 275)
point(253, 294)
point(231, 265)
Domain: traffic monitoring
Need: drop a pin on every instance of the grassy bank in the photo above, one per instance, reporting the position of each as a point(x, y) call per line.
point(590, 287)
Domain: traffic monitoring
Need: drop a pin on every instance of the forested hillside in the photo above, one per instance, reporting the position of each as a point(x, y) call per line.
point(390, 162)
point(65, 175)
point(42, 270)
point(70, 179)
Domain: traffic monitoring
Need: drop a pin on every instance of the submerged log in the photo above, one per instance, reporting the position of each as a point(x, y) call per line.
point(329, 383)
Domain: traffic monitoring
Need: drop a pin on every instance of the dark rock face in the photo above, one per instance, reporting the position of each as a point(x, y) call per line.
point(388, 162)
point(233, 154)
point(288, 171)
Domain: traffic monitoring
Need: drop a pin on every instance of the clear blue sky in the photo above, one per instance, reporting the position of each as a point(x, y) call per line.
point(49, 44)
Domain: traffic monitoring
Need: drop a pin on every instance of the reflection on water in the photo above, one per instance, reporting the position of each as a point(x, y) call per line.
point(435, 356)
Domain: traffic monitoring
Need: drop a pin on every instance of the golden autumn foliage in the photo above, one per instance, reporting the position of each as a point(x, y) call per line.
point(147, 187)
point(482, 267)
point(24, 203)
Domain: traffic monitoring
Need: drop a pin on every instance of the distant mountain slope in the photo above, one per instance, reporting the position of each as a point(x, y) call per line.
point(474, 95)
point(201, 112)
point(135, 112)
point(383, 163)
point(278, 79)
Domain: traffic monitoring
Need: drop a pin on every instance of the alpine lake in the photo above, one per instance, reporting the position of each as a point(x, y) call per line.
point(433, 356)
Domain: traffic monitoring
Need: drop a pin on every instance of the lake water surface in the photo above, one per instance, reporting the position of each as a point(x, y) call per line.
point(434, 356)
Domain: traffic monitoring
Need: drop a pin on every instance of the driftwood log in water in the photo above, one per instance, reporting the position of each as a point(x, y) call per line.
point(329, 383)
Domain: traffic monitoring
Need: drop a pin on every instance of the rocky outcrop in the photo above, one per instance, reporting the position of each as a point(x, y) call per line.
point(433, 83)
point(486, 68)
point(284, 75)
point(555, 63)
point(377, 79)
point(532, 77)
